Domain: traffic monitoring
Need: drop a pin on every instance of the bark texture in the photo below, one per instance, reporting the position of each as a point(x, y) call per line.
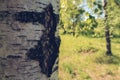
point(29, 44)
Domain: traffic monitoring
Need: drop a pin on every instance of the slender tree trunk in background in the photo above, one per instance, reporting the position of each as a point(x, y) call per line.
point(73, 28)
point(107, 31)
point(29, 43)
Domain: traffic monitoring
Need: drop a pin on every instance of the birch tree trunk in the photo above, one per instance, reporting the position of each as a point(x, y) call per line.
point(107, 31)
point(29, 43)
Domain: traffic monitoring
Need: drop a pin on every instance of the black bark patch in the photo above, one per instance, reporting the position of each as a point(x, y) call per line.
point(14, 56)
point(30, 17)
point(47, 49)
point(3, 14)
point(26, 17)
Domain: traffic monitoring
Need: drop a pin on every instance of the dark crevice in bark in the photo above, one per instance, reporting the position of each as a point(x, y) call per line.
point(47, 49)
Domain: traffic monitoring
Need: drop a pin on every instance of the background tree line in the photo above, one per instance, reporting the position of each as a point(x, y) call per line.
point(77, 20)
point(93, 18)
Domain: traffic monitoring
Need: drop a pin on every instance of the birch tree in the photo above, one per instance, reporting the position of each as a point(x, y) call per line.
point(29, 44)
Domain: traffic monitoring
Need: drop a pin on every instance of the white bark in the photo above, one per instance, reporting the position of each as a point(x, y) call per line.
point(18, 36)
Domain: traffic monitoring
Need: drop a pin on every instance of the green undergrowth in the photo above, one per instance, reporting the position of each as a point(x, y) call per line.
point(83, 58)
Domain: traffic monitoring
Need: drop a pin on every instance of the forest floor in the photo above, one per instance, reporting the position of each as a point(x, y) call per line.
point(84, 58)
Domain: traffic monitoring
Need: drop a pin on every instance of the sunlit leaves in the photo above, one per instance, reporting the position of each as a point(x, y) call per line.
point(117, 2)
point(75, 18)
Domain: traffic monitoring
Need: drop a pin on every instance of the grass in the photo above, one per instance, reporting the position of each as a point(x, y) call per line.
point(84, 58)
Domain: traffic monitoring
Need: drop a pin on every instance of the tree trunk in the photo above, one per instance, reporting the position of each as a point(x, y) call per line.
point(29, 43)
point(107, 32)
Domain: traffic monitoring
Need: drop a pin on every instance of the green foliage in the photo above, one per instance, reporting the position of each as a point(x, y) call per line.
point(71, 21)
point(97, 7)
point(77, 21)
point(117, 2)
